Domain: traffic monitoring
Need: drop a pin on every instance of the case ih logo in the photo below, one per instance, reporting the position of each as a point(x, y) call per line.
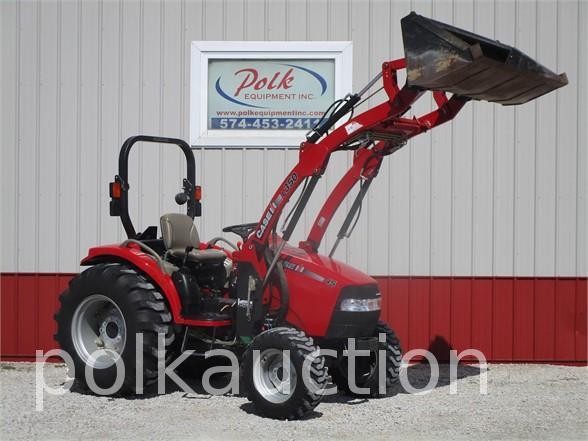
point(275, 205)
point(254, 86)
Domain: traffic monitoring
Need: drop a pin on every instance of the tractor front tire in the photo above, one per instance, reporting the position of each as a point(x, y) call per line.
point(264, 377)
point(367, 371)
point(103, 310)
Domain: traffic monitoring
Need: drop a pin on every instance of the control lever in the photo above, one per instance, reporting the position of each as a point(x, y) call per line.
point(189, 248)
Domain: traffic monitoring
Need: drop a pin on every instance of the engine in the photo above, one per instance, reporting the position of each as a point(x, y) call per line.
point(202, 287)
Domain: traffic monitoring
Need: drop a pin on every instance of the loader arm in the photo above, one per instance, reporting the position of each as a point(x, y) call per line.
point(439, 58)
point(366, 164)
point(373, 134)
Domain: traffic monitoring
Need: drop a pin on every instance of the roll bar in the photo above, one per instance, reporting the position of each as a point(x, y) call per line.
point(119, 202)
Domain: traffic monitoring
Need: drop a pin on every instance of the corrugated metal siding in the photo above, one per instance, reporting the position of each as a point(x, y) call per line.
point(501, 191)
point(508, 319)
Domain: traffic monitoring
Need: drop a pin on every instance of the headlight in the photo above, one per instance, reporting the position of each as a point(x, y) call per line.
point(361, 305)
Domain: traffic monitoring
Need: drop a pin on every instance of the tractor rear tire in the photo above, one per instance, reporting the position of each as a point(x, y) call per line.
point(104, 308)
point(367, 373)
point(260, 377)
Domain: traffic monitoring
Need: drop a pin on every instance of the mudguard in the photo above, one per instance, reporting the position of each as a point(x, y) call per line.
point(147, 265)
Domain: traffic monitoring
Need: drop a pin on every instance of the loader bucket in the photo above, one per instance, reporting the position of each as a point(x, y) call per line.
point(443, 57)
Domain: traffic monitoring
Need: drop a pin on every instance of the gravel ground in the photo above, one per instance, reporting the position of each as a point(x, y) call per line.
point(523, 402)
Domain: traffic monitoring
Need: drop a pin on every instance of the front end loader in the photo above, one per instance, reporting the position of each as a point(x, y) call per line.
point(264, 296)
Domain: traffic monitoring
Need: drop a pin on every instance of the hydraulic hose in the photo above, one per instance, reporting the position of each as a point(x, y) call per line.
point(336, 116)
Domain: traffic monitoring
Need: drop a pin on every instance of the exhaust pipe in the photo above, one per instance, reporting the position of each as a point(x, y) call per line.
point(446, 58)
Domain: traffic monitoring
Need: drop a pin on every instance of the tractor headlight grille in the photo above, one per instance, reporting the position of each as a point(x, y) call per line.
point(361, 305)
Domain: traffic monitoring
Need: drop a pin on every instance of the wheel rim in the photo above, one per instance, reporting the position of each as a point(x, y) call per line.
point(98, 331)
point(271, 379)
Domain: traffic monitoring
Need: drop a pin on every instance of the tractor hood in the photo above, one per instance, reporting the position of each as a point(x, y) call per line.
point(323, 268)
point(317, 284)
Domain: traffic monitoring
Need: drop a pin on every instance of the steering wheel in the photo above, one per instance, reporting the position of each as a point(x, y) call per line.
point(242, 230)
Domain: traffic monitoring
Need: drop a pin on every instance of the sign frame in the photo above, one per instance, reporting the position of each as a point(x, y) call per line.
point(203, 51)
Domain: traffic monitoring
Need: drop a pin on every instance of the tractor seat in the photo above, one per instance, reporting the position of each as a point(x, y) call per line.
point(179, 232)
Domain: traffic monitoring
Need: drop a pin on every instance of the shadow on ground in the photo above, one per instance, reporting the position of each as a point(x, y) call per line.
point(418, 375)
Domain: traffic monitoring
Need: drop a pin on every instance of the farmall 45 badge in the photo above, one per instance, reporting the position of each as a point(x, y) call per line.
point(264, 94)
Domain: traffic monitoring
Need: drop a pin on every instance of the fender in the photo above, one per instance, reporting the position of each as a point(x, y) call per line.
point(149, 267)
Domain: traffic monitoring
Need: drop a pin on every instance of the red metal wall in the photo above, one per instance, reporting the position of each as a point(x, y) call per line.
point(28, 302)
point(509, 319)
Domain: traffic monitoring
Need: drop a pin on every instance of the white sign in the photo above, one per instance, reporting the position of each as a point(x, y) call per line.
point(264, 93)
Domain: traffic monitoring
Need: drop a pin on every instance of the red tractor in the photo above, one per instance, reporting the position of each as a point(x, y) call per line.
point(266, 294)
